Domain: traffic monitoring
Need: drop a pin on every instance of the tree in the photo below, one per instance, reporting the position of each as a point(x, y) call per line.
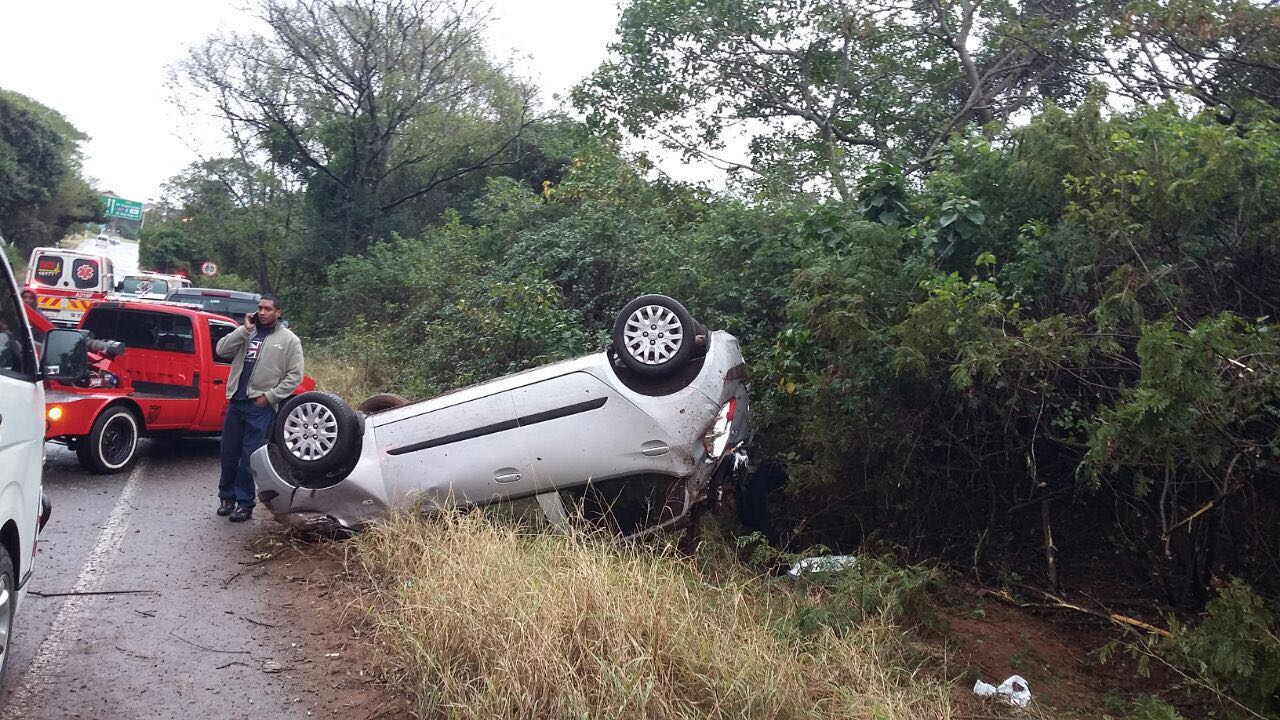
point(830, 84)
point(41, 191)
point(245, 216)
point(1224, 54)
point(374, 105)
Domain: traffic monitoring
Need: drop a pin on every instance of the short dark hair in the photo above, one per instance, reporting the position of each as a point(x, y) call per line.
point(274, 300)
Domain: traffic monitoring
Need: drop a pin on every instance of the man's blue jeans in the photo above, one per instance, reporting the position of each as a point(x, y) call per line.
point(244, 430)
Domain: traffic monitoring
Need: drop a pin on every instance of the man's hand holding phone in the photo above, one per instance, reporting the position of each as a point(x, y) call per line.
point(251, 321)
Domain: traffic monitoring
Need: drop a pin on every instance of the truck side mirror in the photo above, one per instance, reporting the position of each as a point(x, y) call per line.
point(65, 357)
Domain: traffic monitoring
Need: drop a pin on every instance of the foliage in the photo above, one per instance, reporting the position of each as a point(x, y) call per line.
point(375, 107)
point(41, 190)
point(1230, 656)
point(1223, 53)
point(1148, 707)
point(247, 216)
point(423, 316)
point(873, 587)
point(1006, 273)
point(825, 85)
point(1234, 648)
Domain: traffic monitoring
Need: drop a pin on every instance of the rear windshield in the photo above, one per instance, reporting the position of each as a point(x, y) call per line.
point(83, 273)
point(234, 308)
point(144, 285)
point(48, 270)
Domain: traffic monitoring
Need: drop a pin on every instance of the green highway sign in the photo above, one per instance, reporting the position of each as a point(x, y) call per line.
point(120, 208)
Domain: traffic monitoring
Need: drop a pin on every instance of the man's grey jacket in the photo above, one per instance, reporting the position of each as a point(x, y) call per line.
point(278, 371)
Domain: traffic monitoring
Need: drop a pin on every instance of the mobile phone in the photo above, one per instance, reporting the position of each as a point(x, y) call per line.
point(254, 318)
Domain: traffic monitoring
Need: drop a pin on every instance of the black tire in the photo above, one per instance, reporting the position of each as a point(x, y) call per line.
point(112, 443)
point(637, 345)
point(382, 401)
point(317, 432)
point(9, 590)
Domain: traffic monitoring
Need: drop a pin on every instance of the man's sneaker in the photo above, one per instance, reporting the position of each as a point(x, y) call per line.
point(241, 513)
point(225, 507)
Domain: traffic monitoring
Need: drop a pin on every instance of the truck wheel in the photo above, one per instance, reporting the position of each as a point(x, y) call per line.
point(112, 444)
point(317, 432)
point(654, 335)
point(8, 599)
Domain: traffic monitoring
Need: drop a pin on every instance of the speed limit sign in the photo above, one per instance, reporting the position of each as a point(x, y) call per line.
point(209, 268)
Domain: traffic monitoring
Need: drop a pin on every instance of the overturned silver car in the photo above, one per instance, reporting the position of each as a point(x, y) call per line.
point(641, 437)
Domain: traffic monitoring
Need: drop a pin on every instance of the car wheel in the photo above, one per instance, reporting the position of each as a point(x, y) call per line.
point(8, 601)
point(317, 432)
point(112, 443)
point(382, 401)
point(654, 335)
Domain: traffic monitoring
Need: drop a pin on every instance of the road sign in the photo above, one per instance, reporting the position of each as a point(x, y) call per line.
point(209, 268)
point(121, 208)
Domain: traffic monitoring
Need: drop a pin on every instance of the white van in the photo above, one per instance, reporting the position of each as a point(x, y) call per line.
point(68, 282)
point(23, 507)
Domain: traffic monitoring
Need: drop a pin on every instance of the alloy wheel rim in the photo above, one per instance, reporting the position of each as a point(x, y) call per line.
point(6, 617)
point(118, 440)
point(310, 431)
point(653, 334)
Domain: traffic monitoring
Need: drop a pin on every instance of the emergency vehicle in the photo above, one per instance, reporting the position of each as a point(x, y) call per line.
point(69, 282)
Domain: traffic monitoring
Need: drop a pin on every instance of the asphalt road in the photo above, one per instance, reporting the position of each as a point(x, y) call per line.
point(193, 644)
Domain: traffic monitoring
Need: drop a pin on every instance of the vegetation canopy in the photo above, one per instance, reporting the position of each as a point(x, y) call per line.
point(1005, 272)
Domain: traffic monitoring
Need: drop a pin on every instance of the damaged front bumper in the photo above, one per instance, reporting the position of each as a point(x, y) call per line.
point(346, 504)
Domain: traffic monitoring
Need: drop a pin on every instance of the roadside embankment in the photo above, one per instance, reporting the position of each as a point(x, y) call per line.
point(480, 619)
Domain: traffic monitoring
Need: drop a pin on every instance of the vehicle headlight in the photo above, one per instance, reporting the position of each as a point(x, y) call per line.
point(716, 439)
point(54, 413)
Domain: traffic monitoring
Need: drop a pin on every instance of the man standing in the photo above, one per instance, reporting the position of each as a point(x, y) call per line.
point(266, 367)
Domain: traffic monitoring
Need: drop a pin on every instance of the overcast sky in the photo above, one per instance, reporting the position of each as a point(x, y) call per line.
point(105, 66)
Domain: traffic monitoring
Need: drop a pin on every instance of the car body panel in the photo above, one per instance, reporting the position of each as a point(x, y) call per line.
point(553, 428)
point(21, 444)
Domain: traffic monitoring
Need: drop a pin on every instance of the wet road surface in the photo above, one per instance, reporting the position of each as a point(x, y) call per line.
point(192, 645)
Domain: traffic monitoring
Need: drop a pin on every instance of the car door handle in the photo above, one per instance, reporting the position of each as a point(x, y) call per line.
point(216, 381)
point(507, 475)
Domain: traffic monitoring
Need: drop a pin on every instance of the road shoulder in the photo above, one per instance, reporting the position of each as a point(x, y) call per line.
point(327, 661)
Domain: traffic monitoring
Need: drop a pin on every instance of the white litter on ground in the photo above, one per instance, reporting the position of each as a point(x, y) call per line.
point(1014, 691)
point(826, 563)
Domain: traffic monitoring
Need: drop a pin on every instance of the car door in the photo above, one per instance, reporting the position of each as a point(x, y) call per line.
point(461, 448)
point(578, 429)
point(213, 391)
point(21, 420)
point(159, 361)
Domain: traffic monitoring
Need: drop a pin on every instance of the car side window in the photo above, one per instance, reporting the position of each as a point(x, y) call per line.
point(143, 330)
point(104, 324)
point(217, 331)
point(16, 357)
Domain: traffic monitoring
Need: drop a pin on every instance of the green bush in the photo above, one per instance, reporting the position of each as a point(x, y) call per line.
point(1234, 650)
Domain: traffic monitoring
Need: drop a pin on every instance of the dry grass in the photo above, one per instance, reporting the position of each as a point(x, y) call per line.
point(348, 380)
point(481, 619)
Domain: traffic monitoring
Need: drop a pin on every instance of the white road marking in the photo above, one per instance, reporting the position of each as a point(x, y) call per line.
point(46, 665)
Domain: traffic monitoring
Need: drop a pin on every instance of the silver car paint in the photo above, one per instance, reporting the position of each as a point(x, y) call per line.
point(629, 434)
